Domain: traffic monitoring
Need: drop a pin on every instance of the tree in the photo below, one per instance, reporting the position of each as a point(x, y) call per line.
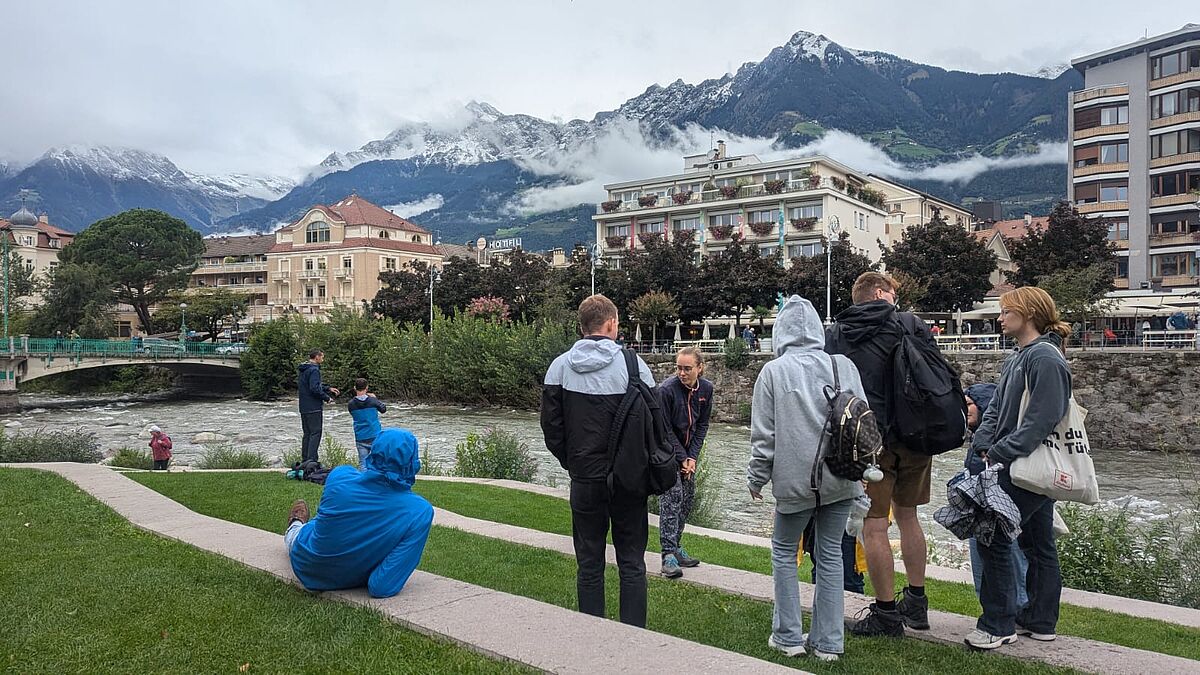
point(953, 265)
point(911, 290)
point(403, 294)
point(210, 309)
point(654, 308)
point(519, 278)
point(1069, 242)
point(738, 278)
point(1076, 293)
point(461, 280)
point(77, 298)
point(488, 308)
point(142, 254)
point(21, 282)
point(268, 367)
point(670, 267)
point(806, 277)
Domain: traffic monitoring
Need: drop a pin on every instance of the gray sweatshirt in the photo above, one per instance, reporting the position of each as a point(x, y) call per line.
point(789, 412)
point(1042, 365)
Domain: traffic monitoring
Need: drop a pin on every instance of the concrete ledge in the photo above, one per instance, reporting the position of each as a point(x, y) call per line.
point(496, 624)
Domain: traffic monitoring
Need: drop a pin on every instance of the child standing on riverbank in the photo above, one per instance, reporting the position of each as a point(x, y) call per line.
point(365, 409)
point(160, 448)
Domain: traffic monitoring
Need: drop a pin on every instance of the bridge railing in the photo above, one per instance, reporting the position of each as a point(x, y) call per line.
point(138, 349)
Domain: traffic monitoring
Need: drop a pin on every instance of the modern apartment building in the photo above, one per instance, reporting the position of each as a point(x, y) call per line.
point(788, 204)
point(1135, 155)
point(237, 264)
point(334, 254)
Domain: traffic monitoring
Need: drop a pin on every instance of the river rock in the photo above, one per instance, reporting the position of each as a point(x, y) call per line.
point(13, 425)
point(209, 437)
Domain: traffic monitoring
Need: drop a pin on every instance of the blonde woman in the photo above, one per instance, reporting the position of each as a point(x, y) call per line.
point(1027, 315)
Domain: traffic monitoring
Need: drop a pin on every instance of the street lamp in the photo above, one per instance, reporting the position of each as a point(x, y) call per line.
point(183, 323)
point(835, 227)
point(594, 255)
point(435, 275)
point(270, 310)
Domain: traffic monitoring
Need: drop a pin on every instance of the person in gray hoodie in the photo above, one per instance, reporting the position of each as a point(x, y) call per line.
point(787, 437)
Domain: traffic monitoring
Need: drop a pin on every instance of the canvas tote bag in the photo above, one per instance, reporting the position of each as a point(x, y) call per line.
point(1061, 467)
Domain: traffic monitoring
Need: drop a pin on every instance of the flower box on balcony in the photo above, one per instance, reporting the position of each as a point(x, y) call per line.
point(838, 183)
point(721, 231)
point(728, 191)
point(762, 229)
point(814, 182)
point(804, 224)
point(648, 200)
point(646, 237)
point(682, 197)
point(616, 240)
point(852, 191)
point(611, 206)
point(774, 187)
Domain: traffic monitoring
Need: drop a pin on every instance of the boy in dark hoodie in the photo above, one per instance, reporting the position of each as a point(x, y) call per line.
point(314, 394)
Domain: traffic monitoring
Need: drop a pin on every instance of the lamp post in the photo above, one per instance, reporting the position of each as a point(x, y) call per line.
point(594, 256)
point(835, 227)
point(183, 323)
point(270, 310)
point(435, 275)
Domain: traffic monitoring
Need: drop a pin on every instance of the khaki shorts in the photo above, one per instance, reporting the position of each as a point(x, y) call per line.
point(906, 478)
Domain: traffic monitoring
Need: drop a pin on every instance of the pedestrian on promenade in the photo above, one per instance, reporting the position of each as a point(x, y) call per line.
point(867, 333)
point(365, 410)
point(370, 529)
point(687, 400)
point(1011, 429)
point(582, 393)
point(314, 394)
point(160, 448)
point(789, 414)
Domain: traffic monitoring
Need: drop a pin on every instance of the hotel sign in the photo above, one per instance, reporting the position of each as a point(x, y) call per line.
point(505, 244)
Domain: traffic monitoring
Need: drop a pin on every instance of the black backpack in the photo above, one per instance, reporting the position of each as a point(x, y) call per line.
point(641, 459)
point(312, 471)
point(852, 433)
point(929, 412)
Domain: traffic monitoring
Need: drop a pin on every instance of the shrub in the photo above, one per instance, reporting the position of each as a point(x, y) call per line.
point(494, 454)
point(268, 367)
point(225, 456)
point(291, 457)
point(704, 503)
point(737, 354)
point(133, 458)
point(73, 445)
point(333, 453)
point(431, 466)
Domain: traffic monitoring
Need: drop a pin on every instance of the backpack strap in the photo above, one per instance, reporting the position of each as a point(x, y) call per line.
point(618, 423)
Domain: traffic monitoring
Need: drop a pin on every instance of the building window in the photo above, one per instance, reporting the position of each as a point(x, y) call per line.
point(1114, 115)
point(1174, 103)
point(777, 175)
point(1175, 143)
point(1173, 64)
point(26, 241)
point(805, 211)
point(686, 224)
point(54, 243)
point(1114, 152)
point(805, 250)
point(767, 216)
point(617, 230)
point(389, 264)
point(28, 264)
point(1172, 264)
point(53, 265)
point(1118, 231)
point(321, 292)
point(766, 251)
point(383, 234)
point(317, 232)
point(416, 238)
point(1179, 182)
point(347, 262)
point(723, 219)
point(1114, 192)
point(309, 292)
point(651, 228)
point(629, 195)
point(1122, 268)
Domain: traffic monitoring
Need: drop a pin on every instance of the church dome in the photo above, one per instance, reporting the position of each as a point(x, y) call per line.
point(23, 217)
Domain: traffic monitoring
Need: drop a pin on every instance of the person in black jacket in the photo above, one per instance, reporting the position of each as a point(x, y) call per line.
point(868, 332)
point(583, 390)
point(687, 402)
point(314, 394)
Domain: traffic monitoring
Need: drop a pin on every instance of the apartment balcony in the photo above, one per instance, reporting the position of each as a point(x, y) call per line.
point(313, 274)
point(710, 196)
point(302, 301)
point(1101, 92)
point(1179, 280)
point(1097, 207)
point(260, 287)
point(1106, 130)
point(1172, 200)
point(1093, 169)
point(1121, 244)
point(1170, 120)
point(1121, 284)
point(281, 277)
point(1175, 239)
point(1175, 159)
point(1178, 78)
point(616, 242)
point(232, 268)
point(343, 273)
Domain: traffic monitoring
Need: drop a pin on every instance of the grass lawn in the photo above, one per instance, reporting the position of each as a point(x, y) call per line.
point(90, 593)
point(265, 493)
point(690, 612)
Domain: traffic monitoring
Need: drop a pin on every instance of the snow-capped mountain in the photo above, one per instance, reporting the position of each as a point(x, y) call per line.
point(1050, 72)
point(267, 188)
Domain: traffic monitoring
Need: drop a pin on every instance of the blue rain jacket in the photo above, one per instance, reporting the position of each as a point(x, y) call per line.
point(370, 528)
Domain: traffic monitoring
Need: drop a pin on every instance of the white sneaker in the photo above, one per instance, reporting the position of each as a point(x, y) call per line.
point(978, 639)
point(796, 650)
point(820, 655)
point(1040, 637)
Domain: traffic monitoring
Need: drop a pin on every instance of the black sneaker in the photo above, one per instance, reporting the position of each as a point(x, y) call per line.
point(878, 623)
point(914, 609)
point(686, 560)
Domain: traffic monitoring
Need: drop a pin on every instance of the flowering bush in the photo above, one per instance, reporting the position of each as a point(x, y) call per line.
point(804, 224)
point(682, 197)
point(869, 195)
point(838, 182)
point(648, 200)
point(728, 191)
point(814, 182)
point(774, 187)
point(488, 307)
point(647, 237)
point(721, 231)
point(610, 206)
point(762, 228)
point(616, 240)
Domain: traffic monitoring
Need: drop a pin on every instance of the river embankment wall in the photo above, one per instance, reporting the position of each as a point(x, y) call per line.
point(1136, 401)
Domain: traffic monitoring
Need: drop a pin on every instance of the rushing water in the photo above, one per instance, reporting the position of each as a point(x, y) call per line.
point(1147, 481)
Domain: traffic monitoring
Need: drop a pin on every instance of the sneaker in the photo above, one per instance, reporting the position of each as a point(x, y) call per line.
point(670, 567)
point(878, 623)
point(828, 657)
point(1040, 637)
point(914, 609)
point(794, 650)
point(978, 639)
point(299, 512)
point(686, 560)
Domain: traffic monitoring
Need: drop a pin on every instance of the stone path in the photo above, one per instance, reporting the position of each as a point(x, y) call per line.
point(1182, 616)
point(496, 624)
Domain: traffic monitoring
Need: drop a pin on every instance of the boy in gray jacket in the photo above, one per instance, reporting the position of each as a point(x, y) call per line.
point(787, 435)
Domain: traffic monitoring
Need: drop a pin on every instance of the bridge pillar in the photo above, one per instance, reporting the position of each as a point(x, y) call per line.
point(8, 387)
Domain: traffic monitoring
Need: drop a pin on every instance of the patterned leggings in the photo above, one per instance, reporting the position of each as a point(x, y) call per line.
point(674, 507)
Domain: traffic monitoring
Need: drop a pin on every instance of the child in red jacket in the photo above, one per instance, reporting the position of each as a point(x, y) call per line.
point(160, 448)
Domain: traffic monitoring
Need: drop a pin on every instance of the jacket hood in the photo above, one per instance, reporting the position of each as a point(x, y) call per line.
point(307, 365)
point(395, 455)
point(589, 355)
point(982, 394)
point(797, 327)
point(863, 322)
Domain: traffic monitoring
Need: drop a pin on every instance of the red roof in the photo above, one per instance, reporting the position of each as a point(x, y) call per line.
point(46, 233)
point(359, 242)
point(355, 210)
point(1013, 229)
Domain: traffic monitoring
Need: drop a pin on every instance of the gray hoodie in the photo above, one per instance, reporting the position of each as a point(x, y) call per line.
point(789, 412)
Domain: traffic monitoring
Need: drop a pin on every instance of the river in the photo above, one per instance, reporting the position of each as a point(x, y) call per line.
point(1147, 482)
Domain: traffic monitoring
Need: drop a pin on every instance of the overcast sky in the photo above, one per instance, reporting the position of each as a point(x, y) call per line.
point(273, 87)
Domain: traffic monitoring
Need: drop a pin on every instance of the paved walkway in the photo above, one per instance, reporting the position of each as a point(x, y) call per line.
point(499, 625)
point(1182, 616)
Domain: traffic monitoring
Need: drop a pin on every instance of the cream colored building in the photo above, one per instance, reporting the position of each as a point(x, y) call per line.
point(788, 204)
point(334, 255)
point(37, 241)
point(237, 264)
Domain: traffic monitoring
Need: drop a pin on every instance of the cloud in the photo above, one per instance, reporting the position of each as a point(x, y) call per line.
point(621, 152)
point(431, 202)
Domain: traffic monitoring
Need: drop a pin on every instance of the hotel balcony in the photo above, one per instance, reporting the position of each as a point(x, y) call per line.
point(232, 268)
point(313, 274)
point(714, 196)
point(343, 273)
point(281, 277)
